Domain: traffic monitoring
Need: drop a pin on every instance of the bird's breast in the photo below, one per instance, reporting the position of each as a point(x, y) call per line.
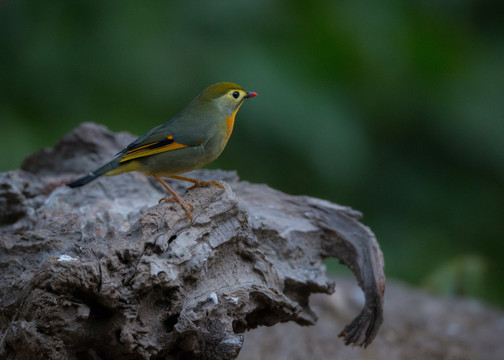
point(229, 125)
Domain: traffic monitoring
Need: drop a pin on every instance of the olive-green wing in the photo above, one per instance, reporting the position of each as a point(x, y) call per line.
point(158, 140)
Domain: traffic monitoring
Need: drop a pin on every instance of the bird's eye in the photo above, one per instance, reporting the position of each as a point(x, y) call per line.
point(236, 94)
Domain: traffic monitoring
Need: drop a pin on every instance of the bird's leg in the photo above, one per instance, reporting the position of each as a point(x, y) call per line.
point(176, 197)
point(198, 183)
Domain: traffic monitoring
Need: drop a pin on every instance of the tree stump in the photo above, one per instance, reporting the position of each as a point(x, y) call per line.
point(105, 272)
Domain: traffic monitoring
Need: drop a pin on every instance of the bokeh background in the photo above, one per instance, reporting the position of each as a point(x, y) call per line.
point(394, 107)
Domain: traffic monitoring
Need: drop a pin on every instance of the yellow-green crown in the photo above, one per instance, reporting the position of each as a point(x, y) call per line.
point(217, 90)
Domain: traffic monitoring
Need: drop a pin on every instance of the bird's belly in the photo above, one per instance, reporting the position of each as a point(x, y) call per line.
point(181, 160)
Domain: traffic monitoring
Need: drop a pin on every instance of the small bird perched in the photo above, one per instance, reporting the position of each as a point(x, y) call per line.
point(192, 138)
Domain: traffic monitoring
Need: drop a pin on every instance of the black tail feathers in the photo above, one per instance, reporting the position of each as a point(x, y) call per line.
point(82, 181)
point(98, 172)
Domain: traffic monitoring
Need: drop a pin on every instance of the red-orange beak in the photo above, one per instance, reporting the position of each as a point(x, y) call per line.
point(250, 94)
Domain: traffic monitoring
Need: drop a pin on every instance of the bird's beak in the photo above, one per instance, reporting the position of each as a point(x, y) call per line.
point(250, 94)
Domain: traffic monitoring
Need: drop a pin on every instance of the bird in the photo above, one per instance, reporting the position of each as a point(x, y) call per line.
point(194, 137)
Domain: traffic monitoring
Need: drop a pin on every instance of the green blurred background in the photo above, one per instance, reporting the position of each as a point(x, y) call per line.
point(394, 107)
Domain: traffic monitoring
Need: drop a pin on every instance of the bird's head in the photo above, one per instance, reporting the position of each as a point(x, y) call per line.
point(228, 97)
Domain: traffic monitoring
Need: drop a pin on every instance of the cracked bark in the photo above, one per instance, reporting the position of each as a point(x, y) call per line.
point(99, 273)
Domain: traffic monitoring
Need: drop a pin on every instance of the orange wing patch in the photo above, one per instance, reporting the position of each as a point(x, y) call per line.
point(167, 144)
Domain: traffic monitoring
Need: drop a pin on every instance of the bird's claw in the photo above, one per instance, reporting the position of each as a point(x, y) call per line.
point(201, 183)
point(188, 207)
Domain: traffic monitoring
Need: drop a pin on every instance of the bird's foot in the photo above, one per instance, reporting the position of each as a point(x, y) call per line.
point(188, 207)
point(200, 183)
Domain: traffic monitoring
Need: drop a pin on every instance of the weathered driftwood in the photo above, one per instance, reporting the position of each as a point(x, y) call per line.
point(103, 272)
